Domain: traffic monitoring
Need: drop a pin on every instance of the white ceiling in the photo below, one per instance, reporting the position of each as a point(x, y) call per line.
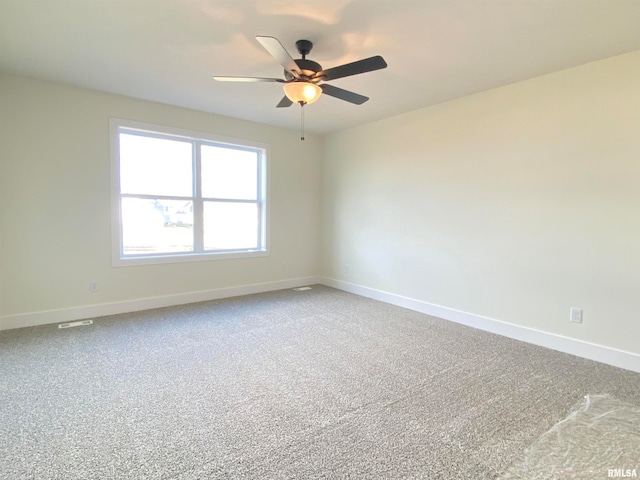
point(437, 50)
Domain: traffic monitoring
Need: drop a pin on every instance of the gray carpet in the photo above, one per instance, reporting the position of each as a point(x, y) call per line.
point(314, 384)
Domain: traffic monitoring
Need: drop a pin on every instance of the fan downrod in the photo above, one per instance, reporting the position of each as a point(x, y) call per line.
point(308, 67)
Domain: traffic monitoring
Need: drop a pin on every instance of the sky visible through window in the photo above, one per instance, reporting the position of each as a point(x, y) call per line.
point(152, 169)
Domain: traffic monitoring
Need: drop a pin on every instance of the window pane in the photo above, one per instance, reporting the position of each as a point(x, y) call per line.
point(229, 173)
point(155, 166)
point(156, 226)
point(230, 225)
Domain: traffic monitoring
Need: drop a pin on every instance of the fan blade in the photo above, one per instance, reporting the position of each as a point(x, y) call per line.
point(277, 51)
point(247, 79)
point(342, 94)
point(285, 102)
point(361, 66)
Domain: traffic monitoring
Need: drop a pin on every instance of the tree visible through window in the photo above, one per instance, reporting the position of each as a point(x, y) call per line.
point(182, 196)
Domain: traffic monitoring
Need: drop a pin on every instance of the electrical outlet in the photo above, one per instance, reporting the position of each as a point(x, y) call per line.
point(576, 315)
point(94, 287)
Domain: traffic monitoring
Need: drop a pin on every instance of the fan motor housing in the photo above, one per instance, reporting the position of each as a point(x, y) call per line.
point(308, 67)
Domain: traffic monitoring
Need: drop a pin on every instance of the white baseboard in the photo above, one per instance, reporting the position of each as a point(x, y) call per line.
point(100, 310)
point(579, 348)
point(591, 351)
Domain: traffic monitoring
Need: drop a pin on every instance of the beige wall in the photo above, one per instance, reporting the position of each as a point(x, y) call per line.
point(55, 204)
point(514, 204)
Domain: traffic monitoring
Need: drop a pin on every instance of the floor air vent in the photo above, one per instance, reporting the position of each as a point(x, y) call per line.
point(302, 289)
point(75, 324)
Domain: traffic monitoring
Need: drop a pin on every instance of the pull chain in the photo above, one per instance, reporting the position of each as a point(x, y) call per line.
point(302, 121)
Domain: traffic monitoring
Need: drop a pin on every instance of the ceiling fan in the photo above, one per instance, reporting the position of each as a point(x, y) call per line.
point(302, 76)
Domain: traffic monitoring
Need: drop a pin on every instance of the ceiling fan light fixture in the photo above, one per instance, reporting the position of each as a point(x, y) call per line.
point(302, 92)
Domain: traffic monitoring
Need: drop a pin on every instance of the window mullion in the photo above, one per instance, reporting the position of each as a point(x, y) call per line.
point(198, 208)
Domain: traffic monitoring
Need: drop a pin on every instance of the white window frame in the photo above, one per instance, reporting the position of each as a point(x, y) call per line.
point(116, 126)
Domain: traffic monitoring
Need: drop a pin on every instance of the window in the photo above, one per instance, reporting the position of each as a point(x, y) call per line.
point(184, 196)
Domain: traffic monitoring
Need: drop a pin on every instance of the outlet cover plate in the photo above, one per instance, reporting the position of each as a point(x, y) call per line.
point(576, 315)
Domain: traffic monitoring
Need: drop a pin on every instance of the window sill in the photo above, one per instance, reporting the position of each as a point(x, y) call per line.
point(133, 260)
